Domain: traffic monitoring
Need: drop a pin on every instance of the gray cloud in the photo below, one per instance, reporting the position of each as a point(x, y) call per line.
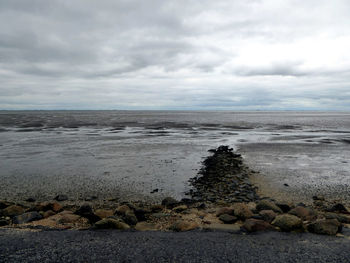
point(157, 54)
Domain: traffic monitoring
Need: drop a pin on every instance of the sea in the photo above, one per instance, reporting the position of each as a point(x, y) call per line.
point(147, 155)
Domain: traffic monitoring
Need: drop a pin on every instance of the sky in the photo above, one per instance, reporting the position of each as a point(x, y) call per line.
point(178, 55)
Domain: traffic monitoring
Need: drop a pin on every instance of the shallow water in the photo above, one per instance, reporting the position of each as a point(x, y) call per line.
point(129, 154)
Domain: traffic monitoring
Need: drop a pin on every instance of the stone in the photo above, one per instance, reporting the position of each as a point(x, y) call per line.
point(180, 208)
point(228, 219)
point(268, 215)
point(110, 223)
point(104, 213)
point(48, 213)
point(130, 218)
point(254, 225)
point(61, 198)
point(225, 210)
point(13, 210)
point(121, 210)
point(4, 222)
point(338, 208)
point(285, 207)
point(181, 226)
point(26, 218)
point(318, 197)
point(340, 217)
point(169, 202)
point(287, 222)
point(87, 212)
point(160, 215)
point(231, 228)
point(242, 211)
point(63, 220)
point(325, 227)
point(30, 200)
point(268, 205)
point(145, 226)
point(4, 204)
point(157, 208)
point(45, 206)
point(304, 213)
point(142, 213)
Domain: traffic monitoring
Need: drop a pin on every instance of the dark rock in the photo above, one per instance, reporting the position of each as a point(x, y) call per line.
point(26, 218)
point(225, 210)
point(111, 223)
point(130, 218)
point(303, 212)
point(338, 208)
point(157, 208)
point(325, 227)
point(13, 210)
point(30, 200)
point(301, 204)
point(284, 207)
point(169, 202)
point(87, 212)
point(228, 219)
point(268, 205)
point(142, 213)
point(318, 197)
point(288, 222)
point(4, 222)
point(180, 208)
point(61, 198)
point(4, 204)
point(268, 215)
point(254, 225)
point(154, 191)
point(48, 213)
point(340, 217)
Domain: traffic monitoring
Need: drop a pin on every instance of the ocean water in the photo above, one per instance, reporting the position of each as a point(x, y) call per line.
point(147, 155)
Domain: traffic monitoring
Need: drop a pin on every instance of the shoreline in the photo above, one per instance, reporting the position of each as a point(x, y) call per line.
point(223, 198)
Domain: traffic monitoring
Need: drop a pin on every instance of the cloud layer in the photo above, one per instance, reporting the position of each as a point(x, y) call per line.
point(156, 54)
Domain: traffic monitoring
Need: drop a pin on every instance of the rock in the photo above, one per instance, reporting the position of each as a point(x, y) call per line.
point(303, 212)
point(287, 222)
point(159, 215)
point(254, 225)
point(325, 227)
point(341, 218)
point(87, 212)
point(67, 217)
point(268, 215)
point(180, 208)
point(45, 206)
point(225, 210)
point(157, 208)
point(4, 222)
point(104, 213)
point(228, 219)
point(4, 204)
point(242, 211)
point(318, 197)
point(90, 198)
point(30, 200)
point(61, 198)
point(13, 210)
point(145, 226)
point(268, 205)
point(142, 213)
point(121, 210)
point(337, 208)
point(26, 218)
point(169, 202)
point(285, 207)
point(180, 226)
point(231, 228)
point(110, 223)
point(130, 218)
point(48, 213)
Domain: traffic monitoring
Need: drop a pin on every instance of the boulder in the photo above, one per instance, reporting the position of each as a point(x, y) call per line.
point(254, 225)
point(111, 223)
point(87, 212)
point(30, 200)
point(122, 210)
point(142, 213)
point(104, 213)
point(180, 208)
point(169, 202)
point(61, 197)
point(228, 219)
point(242, 211)
point(180, 226)
point(4, 204)
point(304, 213)
point(340, 217)
point(26, 218)
point(338, 208)
point(145, 226)
point(13, 210)
point(130, 218)
point(268, 215)
point(157, 208)
point(225, 210)
point(4, 222)
point(285, 207)
point(325, 227)
point(287, 222)
point(268, 205)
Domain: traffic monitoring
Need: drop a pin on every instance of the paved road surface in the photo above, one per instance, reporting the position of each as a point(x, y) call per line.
point(195, 246)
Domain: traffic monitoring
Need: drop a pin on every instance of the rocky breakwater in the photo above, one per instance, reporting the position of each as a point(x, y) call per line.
point(222, 199)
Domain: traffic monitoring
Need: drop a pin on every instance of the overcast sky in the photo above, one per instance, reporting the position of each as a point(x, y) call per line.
point(183, 54)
